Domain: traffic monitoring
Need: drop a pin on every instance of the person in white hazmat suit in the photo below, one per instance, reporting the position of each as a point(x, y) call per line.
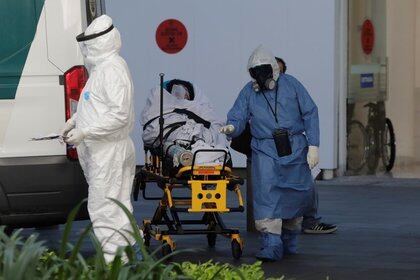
point(184, 104)
point(100, 130)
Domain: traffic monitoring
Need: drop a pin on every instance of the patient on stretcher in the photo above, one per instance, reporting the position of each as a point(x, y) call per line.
point(190, 124)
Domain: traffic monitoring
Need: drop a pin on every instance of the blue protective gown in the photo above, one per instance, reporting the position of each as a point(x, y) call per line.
point(281, 185)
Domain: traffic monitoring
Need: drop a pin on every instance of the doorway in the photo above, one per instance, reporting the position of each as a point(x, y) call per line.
point(383, 70)
point(370, 134)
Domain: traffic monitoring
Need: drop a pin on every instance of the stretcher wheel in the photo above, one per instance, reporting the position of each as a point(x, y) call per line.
point(211, 239)
point(146, 231)
point(236, 249)
point(147, 238)
point(166, 249)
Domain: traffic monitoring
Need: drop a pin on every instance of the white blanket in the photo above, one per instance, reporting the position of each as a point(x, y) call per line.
point(211, 138)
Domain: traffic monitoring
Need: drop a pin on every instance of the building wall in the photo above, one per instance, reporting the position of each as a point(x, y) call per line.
point(401, 51)
point(417, 83)
point(222, 35)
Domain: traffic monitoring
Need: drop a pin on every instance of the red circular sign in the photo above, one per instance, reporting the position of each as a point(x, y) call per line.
point(171, 36)
point(368, 36)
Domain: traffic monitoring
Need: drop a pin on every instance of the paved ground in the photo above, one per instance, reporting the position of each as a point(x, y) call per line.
point(378, 237)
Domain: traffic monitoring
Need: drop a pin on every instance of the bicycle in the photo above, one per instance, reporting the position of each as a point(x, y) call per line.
point(381, 138)
point(356, 146)
point(365, 145)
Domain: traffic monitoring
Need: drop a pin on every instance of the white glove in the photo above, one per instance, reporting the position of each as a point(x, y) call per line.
point(69, 125)
point(313, 156)
point(75, 137)
point(227, 129)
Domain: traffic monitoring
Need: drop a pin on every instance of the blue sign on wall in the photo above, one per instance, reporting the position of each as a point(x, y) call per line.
point(366, 80)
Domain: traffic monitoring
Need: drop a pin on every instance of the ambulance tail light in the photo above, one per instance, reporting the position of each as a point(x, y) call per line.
point(74, 81)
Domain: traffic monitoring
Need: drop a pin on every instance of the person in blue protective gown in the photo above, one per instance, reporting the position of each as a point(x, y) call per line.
point(277, 104)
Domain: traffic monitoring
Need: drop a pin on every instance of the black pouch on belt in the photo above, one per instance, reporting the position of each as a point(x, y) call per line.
point(282, 141)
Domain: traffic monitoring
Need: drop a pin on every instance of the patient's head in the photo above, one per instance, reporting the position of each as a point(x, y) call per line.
point(180, 92)
point(181, 89)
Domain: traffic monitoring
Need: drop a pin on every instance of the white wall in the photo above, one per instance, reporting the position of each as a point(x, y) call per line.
point(222, 35)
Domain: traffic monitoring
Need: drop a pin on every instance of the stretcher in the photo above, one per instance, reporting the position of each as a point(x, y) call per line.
point(208, 187)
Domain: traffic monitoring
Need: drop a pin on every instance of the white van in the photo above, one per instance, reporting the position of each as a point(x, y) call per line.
point(41, 77)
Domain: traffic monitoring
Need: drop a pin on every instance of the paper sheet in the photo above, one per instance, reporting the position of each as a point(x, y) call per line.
point(51, 136)
point(315, 171)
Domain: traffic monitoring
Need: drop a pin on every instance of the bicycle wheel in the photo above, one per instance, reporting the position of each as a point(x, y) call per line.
point(388, 145)
point(372, 159)
point(356, 146)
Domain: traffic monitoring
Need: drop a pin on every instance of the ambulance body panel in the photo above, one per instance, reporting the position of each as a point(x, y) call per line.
point(39, 181)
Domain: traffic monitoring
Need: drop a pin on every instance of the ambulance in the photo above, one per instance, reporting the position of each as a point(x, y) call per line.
point(41, 78)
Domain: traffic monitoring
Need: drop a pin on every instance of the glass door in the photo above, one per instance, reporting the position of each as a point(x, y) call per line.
point(368, 138)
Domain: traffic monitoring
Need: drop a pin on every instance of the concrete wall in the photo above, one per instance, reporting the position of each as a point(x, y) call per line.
point(417, 83)
point(401, 51)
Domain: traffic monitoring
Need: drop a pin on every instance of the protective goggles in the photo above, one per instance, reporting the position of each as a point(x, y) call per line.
point(82, 37)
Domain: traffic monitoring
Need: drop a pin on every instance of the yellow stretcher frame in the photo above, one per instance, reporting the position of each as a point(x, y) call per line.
point(209, 187)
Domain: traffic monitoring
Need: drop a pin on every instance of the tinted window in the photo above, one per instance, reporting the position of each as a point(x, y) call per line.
point(18, 23)
point(94, 8)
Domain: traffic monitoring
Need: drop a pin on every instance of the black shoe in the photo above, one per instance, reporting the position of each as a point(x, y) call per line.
point(320, 228)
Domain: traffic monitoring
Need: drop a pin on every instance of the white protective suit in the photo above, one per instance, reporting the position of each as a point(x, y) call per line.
point(105, 116)
point(201, 106)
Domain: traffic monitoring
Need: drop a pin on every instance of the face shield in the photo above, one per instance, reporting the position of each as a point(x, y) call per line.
point(187, 88)
point(99, 41)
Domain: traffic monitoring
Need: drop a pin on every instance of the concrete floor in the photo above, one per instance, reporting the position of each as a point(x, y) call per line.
point(406, 171)
point(378, 237)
